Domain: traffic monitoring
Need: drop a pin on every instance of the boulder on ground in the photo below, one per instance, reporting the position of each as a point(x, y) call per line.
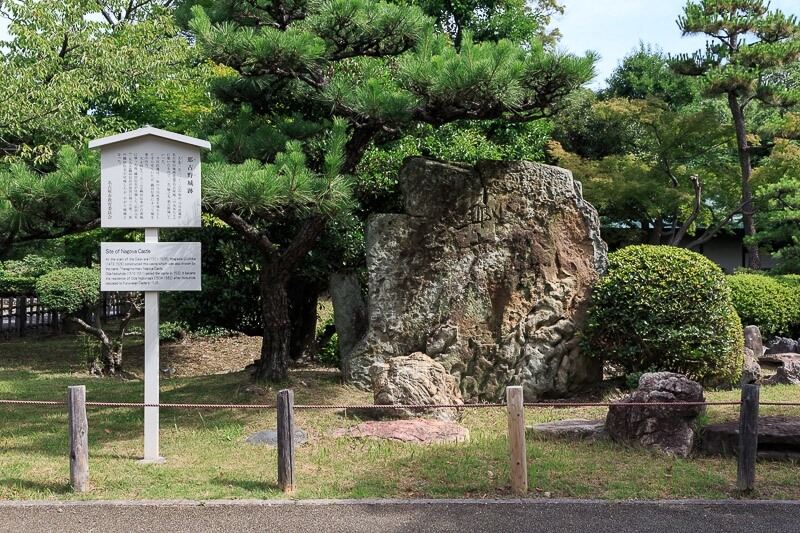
point(787, 374)
point(753, 340)
point(666, 428)
point(753, 349)
point(415, 379)
point(489, 272)
point(269, 437)
point(751, 370)
point(781, 345)
point(575, 429)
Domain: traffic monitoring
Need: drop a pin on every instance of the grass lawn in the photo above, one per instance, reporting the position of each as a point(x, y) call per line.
point(207, 457)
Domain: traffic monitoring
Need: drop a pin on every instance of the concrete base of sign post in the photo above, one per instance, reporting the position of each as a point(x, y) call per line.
point(156, 461)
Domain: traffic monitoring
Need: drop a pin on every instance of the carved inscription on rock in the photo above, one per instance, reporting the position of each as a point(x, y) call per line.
point(489, 274)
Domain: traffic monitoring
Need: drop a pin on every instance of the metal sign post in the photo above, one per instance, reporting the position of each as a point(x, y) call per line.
point(150, 178)
point(151, 366)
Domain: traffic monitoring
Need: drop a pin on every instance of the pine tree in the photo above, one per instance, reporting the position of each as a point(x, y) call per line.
point(300, 69)
point(749, 48)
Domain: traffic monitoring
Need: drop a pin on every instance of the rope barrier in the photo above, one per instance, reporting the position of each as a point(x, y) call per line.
point(394, 406)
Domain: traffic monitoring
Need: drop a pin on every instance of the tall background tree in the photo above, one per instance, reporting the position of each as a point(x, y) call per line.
point(651, 154)
point(73, 71)
point(750, 46)
point(377, 71)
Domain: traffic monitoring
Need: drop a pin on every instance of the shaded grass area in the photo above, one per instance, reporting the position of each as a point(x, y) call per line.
point(207, 457)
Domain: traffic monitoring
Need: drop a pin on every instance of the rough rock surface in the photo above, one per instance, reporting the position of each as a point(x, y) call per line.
point(753, 349)
point(778, 438)
point(577, 429)
point(751, 370)
point(350, 318)
point(782, 345)
point(415, 379)
point(489, 273)
point(269, 437)
point(787, 374)
point(418, 431)
point(668, 429)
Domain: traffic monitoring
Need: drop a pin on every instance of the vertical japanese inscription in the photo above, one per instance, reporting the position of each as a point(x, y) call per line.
point(153, 186)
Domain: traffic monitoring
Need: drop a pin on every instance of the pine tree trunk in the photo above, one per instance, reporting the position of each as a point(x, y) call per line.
point(303, 297)
point(276, 271)
point(747, 195)
point(274, 361)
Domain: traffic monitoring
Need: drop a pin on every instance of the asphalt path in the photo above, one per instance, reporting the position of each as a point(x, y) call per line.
point(386, 516)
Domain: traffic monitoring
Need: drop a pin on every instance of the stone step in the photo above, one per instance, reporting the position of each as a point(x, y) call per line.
point(778, 438)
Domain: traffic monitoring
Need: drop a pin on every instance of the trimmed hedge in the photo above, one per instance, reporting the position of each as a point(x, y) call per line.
point(69, 290)
point(18, 278)
point(770, 302)
point(14, 286)
point(666, 308)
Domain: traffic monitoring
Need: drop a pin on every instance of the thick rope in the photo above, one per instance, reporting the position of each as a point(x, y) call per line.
point(394, 406)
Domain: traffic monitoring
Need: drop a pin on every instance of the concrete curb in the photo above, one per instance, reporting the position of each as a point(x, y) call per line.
point(377, 501)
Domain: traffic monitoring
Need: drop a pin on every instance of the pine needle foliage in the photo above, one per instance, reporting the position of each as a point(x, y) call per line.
point(37, 205)
point(750, 48)
point(312, 84)
point(287, 188)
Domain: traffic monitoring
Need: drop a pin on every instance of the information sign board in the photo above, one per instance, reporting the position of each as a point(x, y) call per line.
point(150, 266)
point(150, 178)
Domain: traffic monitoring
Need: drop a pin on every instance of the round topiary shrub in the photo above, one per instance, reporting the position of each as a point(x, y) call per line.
point(771, 303)
point(666, 308)
point(69, 290)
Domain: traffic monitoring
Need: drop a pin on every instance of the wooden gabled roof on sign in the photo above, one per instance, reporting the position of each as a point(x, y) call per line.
point(149, 130)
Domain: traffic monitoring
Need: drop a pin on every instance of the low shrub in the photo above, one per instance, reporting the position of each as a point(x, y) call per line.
point(172, 331)
point(328, 353)
point(69, 290)
point(771, 303)
point(18, 277)
point(666, 308)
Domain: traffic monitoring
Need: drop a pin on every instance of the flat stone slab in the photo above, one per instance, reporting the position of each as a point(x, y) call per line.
point(777, 359)
point(416, 431)
point(578, 428)
point(269, 437)
point(778, 438)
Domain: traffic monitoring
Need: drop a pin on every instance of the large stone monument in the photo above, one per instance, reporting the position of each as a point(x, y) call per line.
point(489, 273)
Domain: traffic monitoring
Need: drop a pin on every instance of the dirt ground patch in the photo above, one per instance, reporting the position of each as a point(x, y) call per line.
point(195, 356)
point(215, 355)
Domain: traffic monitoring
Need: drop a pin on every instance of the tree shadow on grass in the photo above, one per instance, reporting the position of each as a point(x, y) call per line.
point(26, 484)
point(249, 485)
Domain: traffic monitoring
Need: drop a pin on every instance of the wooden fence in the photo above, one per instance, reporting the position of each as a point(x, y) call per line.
point(21, 314)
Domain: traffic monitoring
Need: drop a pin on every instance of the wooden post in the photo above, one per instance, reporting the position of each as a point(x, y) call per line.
point(286, 440)
point(78, 439)
point(748, 438)
point(516, 440)
point(19, 319)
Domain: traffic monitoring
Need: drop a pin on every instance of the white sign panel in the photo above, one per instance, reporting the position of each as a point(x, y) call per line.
point(151, 266)
point(150, 182)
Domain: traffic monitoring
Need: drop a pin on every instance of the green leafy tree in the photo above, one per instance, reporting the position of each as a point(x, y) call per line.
point(492, 20)
point(75, 294)
point(63, 201)
point(779, 199)
point(368, 71)
point(585, 129)
point(750, 47)
point(645, 73)
point(73, 71)
point(67, 63)
point(654, 181)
